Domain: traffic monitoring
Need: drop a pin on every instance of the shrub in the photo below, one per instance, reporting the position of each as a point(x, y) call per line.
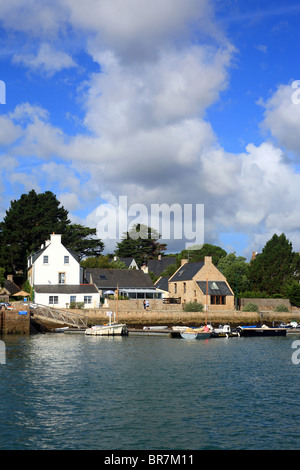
point(281, 308)
point(193, 307)
point(250, 307)
point(76, 305)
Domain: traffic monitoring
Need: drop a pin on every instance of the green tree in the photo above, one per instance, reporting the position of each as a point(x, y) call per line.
point(82, 240)
point(103, 261)
point(216, 252)
point(235, 269)
point(28, 223)
point(275, 267)
point(140, 243)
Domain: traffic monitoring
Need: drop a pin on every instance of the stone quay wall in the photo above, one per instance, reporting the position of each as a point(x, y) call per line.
point(140, 318)
point(16, 321)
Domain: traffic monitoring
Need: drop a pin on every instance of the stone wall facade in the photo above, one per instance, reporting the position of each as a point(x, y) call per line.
point(189, 291)
point(16, 321)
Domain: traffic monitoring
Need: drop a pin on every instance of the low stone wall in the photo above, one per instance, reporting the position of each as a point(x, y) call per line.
point(15, 321)
point(137, 304)
point(266, 304)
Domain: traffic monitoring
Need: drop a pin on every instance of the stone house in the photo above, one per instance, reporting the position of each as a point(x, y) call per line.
point(201, 282)
point(55, 274)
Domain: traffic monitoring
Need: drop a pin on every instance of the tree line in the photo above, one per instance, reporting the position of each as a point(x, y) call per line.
point(29, 221)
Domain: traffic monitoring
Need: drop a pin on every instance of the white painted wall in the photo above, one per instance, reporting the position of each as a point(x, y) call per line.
point(48, 273)
point(65, 299)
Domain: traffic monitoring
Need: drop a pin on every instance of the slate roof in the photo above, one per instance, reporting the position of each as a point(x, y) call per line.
point(65, 289)
point(215, 287)
point(162, 283)
point(10, 287)
point(110, 278)
point(157, 266)
point(127, 261)
point(187, 271)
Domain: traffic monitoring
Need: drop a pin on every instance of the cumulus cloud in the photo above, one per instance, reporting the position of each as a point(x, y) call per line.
point(145, 116)
point(282, 116)
point(47, 60)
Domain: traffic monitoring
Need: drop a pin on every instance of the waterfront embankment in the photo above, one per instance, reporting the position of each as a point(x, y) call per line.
point(135, 318)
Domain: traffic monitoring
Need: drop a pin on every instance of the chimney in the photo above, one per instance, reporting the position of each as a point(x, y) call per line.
point(55, 238)
point(159, 257)
point(10, 277)
point(183, 261)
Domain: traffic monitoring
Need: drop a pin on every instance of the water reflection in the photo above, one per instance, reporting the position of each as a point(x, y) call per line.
point(76, 392)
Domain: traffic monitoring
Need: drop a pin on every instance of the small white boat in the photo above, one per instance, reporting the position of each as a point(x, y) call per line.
point(195, 333)
point(112, 329)
point(109, 329)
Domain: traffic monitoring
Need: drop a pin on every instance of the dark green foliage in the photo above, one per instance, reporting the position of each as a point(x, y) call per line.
point(216, 252)
point(140, 243)
point(276, 266)
point(29, 222)
point(235, 269)
point(294, 294)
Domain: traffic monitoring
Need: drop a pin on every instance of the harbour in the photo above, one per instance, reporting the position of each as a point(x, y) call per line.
point(149, 391)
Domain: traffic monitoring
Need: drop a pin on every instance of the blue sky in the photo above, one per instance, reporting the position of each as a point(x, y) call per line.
point(173, 102)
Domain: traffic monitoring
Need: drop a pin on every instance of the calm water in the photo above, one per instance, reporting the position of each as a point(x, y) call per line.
point(75, 392)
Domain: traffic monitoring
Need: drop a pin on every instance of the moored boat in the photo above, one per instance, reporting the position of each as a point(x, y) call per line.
point(196, 333)
point(261, 331)
point(224, 331)
point(112, 329)
point(109, 329)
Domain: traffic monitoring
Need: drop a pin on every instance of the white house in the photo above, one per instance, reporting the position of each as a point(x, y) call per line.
point(55, 274)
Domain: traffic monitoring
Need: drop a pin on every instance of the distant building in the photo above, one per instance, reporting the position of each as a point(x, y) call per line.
point(159, 265)
point(130, 263)
point(9, 288)
point(131, 283)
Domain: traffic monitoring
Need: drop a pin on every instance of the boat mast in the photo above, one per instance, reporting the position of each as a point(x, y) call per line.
point(206, 307)
point(117, 302)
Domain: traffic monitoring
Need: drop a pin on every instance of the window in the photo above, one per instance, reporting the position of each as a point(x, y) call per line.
point(184, 287)
point(218, 299)
point(175, 287)
point(66, 260)
point(87, 299)
point(45, 259)
point(102, 276)
point(53, 299)
point(61, 278)
point(72, 298)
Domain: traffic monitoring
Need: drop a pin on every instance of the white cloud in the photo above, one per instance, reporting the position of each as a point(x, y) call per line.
point(145, 114)
point(47, 60)
point(282, 117)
